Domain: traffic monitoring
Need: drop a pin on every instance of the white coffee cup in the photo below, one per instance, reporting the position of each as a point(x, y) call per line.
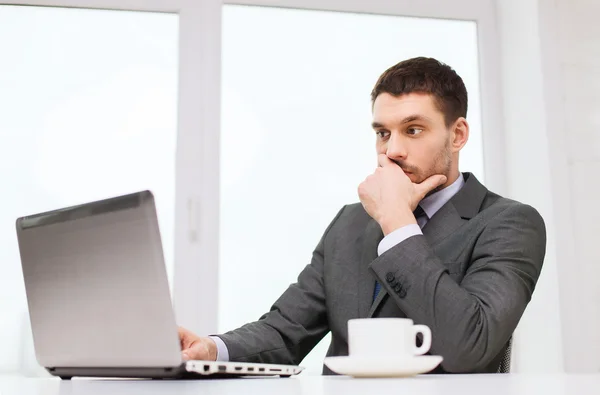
point(386, 337)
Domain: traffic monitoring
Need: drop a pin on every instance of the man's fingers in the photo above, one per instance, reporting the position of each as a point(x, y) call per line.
point(185, 338)
point(429, 184)
point(182, 337)
point(196, 351)
point(383, 160)
point(203, 349)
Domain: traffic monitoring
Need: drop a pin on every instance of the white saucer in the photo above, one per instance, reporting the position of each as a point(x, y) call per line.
point(383, 367)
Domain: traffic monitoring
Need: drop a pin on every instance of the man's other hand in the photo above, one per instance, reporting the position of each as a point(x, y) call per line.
point(195, 347)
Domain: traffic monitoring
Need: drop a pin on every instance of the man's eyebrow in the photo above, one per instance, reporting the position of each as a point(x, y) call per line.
point(408, 119)
point(415, 117)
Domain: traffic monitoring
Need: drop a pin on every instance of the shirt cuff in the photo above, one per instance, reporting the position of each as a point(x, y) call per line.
point(397, 237)
point(222, 351)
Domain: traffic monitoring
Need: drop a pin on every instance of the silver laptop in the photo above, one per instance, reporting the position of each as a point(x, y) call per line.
point(98, 295)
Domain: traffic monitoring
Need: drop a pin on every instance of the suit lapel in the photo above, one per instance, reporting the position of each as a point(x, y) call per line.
point(366, 281)
point(461, 207)
point(469, 199)
point(443, 223)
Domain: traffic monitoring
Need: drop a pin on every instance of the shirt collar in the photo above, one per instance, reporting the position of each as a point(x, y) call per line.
point(432, 203)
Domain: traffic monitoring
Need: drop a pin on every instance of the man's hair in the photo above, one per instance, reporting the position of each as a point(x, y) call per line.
point(426, 75)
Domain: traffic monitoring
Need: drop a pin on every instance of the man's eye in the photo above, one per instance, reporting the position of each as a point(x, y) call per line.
point(383, 134)
point(413, 131)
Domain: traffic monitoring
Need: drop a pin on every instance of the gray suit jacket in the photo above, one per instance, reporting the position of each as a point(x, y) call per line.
point(469, 278)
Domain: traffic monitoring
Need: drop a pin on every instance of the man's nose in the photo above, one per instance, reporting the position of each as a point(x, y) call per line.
point(396, 149)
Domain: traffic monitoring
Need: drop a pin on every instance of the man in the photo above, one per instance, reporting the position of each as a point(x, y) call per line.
point(426, 242)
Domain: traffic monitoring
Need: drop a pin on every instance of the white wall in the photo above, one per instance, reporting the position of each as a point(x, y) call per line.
point(537, 344)
point(550, 68)
point(571, 59)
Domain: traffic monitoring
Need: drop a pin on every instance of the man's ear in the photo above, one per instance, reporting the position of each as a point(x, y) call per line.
point(460, 134)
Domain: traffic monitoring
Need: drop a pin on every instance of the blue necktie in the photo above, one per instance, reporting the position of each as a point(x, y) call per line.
point(417, 213)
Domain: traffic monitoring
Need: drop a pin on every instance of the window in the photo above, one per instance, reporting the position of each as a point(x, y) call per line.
point(296, 138)
point(89, 110)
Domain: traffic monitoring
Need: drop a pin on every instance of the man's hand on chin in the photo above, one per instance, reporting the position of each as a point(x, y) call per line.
point(390, 197)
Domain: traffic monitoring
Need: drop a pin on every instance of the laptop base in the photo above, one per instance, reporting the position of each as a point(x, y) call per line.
point(67, 373)
point(191, 370)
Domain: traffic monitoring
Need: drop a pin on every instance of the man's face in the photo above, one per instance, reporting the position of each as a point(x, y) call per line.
point(411, 131)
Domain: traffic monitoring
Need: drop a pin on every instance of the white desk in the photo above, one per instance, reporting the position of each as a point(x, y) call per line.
point(316, 385)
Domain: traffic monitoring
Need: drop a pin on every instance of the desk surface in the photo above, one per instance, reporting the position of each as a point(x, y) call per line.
point(512, 384)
